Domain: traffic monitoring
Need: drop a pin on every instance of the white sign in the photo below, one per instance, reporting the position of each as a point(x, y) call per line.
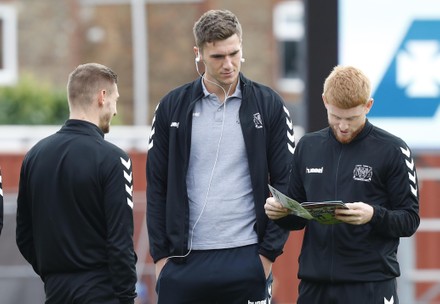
point(397, 44)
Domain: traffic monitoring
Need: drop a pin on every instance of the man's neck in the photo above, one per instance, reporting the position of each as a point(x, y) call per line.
point(222, 91)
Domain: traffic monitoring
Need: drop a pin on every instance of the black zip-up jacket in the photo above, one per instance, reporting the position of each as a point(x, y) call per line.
point(375, 168)
point(268, 135)
point(73, 207)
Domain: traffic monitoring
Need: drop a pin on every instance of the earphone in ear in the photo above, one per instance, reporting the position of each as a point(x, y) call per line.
point(242, 59)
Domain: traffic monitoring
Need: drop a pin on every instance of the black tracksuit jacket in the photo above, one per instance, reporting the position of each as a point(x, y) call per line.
point(268, 135)
point(73, 212)
point(375, 168)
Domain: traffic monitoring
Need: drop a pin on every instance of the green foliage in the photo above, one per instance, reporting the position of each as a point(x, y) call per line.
point(32, 102)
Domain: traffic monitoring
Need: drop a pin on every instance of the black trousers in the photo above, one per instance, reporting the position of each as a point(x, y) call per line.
point(380, 292)
point(226, 276)
point(80, 288)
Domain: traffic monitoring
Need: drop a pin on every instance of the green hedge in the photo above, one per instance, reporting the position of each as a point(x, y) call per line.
point(32, 102)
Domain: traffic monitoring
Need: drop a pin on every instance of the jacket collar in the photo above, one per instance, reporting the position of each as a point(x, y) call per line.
point(82, 126)
point(364, 133)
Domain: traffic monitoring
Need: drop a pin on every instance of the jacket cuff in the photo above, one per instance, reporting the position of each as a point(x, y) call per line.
point(378, 215)
point(270, 255)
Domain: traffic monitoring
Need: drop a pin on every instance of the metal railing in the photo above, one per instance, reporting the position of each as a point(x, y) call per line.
point(408, 256)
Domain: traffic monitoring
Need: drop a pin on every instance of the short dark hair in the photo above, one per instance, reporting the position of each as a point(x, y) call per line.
point(87, 79)
point(215, 25)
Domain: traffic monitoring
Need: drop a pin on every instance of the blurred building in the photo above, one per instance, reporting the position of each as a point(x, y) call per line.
point(52, 37)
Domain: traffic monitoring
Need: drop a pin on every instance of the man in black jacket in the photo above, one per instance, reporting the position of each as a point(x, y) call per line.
point(373, 172)
point(74, 207)
point(215, 144)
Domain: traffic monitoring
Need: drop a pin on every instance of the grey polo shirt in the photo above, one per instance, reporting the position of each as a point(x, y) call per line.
point(222, 210)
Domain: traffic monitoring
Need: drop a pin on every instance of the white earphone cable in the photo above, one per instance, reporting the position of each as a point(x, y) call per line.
point(213, 167)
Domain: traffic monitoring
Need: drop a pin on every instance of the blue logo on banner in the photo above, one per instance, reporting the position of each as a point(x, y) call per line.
point(411, 85)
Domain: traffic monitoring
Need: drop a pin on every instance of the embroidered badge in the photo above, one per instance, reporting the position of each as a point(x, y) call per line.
point(363, 173)
point(258, 121)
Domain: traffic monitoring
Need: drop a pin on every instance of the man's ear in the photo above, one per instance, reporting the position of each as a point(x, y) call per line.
point(101, 97)
point(197, 54)
point(325, 101)
point(369, 105)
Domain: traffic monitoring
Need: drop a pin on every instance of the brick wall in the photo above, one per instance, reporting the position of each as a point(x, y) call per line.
point(55, 36)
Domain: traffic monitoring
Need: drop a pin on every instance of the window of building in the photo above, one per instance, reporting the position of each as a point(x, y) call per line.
point(8, 45)
point(289, 33)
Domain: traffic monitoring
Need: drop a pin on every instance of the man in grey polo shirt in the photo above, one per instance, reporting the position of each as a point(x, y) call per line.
point(215, 144)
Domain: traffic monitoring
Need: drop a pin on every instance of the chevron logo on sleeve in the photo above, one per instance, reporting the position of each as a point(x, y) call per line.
point(391, 301)
point(290, 133)
point(153, 130)
point(128, 176)
point(411, 170)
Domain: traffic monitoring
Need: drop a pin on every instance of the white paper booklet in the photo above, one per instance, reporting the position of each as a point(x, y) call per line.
point(323, 212)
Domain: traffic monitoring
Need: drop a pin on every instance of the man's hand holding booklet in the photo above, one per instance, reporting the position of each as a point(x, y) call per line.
point(323, 212)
